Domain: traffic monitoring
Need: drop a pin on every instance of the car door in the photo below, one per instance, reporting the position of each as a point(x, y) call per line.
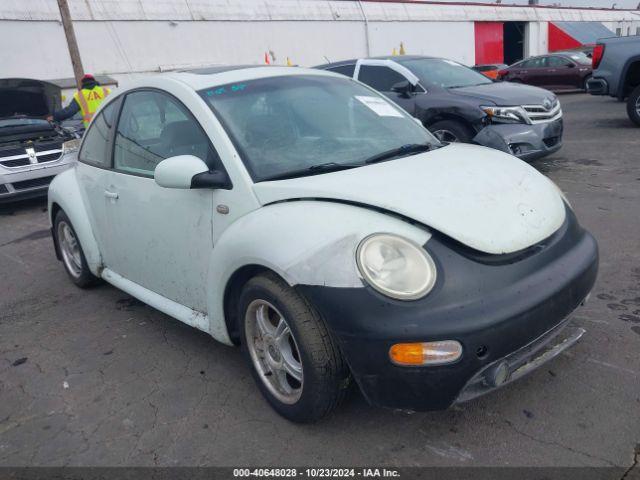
point(534, 72)
point(159, 238)
point(383, 78)
point(94, 163)
point(562, 72)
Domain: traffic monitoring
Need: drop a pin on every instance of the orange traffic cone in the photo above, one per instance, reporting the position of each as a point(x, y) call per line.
point(266, 58)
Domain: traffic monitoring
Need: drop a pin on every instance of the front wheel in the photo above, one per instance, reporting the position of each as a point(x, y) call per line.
point(71, 252)
point(633, 106)
point(451, 131)
point(294, 360)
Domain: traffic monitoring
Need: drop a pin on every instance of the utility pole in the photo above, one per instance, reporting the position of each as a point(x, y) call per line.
point(67, 24)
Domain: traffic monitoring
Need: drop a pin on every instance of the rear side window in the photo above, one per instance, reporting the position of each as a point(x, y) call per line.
point(379, 77)
point(154, 126)
point(94, 149)
point(534, 63)
point(557, 62)
point(343, 69)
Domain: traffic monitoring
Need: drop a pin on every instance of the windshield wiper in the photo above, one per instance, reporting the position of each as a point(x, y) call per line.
point(403, 151)
point(314, 169)
point(469, 85)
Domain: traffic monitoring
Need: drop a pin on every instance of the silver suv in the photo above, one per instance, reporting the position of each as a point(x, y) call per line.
point(616, 72)
point(32, 150)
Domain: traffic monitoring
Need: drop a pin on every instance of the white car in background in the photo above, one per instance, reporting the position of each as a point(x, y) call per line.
point(31, 148)
point(304, 216)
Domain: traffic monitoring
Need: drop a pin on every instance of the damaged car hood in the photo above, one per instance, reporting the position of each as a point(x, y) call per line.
point(505, 93)
point(487, 200)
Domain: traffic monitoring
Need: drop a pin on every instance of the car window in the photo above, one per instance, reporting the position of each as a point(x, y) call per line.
point(538, 62)
point(379, 77)
point(282, 125)
point(94, 146)
point(557, 62)
point(343, 69)
point(153, 126)
point(443, 73)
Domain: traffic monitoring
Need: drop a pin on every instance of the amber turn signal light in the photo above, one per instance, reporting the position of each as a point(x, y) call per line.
point(425, 353)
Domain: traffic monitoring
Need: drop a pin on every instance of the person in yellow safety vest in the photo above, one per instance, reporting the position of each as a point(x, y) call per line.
point(86, 101)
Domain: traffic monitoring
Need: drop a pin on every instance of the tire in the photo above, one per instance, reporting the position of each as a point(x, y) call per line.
point(633, 106)
point(585, 81)
point(451, 131)
point(306, 349)
point(71, 252)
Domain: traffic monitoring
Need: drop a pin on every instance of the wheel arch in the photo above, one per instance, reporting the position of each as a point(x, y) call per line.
point(630, 77)
point(231, 296)
point(64, 195)
point(441, 116)
point(304, 242)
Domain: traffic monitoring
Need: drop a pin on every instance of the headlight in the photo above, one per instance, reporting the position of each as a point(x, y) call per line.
point(506, 114)
point(71, 146)
point(396, 267)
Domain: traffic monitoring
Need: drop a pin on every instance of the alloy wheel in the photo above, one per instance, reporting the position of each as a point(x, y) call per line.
point(274, 351)
point(445, 136)
point(70, 249)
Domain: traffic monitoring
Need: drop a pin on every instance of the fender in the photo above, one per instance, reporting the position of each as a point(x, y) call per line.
point(64, 192)
point(306, 242)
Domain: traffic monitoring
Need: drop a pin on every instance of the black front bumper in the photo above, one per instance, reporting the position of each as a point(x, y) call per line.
point(495, 306)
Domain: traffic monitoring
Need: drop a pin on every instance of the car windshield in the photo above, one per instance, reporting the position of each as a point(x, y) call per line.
point(302, 125)
point(439, 72)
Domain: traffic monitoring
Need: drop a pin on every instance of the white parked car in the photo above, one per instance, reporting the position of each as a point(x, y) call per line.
point(302, 215)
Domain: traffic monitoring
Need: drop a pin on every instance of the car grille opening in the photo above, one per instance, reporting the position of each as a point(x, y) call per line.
point(541, 114)
point(33, 183)
point(49, 157)
point(16, 162)
point(11, 152)
point(47, 145)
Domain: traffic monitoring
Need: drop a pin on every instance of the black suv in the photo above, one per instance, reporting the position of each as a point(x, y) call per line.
point(458, 104)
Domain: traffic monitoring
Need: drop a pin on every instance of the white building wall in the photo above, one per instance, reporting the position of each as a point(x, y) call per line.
point(627, 27)
point(455, 40)
point(536, 40)
point(127, 37)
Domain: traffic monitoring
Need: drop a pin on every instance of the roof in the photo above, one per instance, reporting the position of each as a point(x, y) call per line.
point(395, 58)
point(202, 78)
point(584, 32)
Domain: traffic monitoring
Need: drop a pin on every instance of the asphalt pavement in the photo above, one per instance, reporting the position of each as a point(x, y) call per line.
point(94, 377)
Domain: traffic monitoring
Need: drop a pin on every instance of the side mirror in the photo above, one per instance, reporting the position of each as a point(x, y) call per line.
point(403, 88)
point(571, 65)
point(188, 171)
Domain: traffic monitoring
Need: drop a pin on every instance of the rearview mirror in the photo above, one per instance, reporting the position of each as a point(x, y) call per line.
point(188, 171)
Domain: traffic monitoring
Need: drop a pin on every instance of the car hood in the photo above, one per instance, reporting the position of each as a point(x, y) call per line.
point(505, 94)
point(485, 199)
point(28, 97)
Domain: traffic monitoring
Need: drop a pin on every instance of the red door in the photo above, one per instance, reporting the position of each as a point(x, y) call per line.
point(489, 42)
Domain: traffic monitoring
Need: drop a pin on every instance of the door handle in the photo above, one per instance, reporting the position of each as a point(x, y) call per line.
point(111, 195)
